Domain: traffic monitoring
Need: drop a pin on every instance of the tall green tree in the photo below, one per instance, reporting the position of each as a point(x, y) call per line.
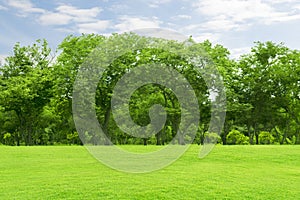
point(269, 82)
point(120, 56)
point(73, 52)
point(26, 87)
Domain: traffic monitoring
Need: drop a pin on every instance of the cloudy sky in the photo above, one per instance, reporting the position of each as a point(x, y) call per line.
point(236, 24)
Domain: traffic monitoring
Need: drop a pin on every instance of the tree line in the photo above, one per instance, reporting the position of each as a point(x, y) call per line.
point(262, 92)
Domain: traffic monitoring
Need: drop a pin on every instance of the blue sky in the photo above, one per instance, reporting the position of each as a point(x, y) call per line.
point(236, 24)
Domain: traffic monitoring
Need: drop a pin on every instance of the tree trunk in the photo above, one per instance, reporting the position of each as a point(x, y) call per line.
point(22, 127)
point(277, 135)
point(297, 137)
point(163, 135)
point(158, 138)
point(287, 129)
point(181, 139)
point(249, 133)
point(17, 138)
point(29, 134)
point(284, 137)
point(106, 124)
point(256, 134)
point(256, 138)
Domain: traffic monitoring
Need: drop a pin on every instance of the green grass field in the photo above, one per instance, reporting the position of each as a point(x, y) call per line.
point(228, 172)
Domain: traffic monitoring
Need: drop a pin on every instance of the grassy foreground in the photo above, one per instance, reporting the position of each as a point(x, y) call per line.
point(228, 172)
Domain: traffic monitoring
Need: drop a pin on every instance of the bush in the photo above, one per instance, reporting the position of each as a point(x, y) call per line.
point(8, 139)
point(287, 141)
point(73, 138)
point(265, 138)
point(294, 139)
point(212, 138)
point(236, 137)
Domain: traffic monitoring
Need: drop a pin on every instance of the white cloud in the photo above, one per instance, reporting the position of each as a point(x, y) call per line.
point(80, 20)
point(157, 3)
point(118, 8)
point(282, 18)
point(237, 52)
point(191, 27)
point(66, 30)
point(84, 20)
point(182, 17)
point(24, 6)
point(51, 18)
point(220, 24)
point(2, 7)
point(237, 10)
point(131, 23)
point(2, 58)
point(200, 33)
point(79, 15)
point(169, 34)
point(63, 14)
point(212, 37)
point(281, 1)
point(226, 15)
point(66, 14)
point(93, 27)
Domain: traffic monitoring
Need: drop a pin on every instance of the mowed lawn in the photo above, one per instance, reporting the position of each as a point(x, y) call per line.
point(228, 172)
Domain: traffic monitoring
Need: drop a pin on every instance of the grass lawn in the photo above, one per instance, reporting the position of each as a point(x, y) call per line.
point(228, 172)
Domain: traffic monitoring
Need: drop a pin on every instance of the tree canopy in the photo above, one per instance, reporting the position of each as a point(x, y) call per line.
point(262, 91)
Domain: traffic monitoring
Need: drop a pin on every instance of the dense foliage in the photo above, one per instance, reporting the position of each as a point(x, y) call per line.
point(262, 92)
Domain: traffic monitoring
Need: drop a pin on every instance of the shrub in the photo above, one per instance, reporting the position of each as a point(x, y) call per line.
point(287, 141)
point(73, 138)
point(236, 137)
point(8, 139)
point(265, 138)
point(212, 138)
point(294, 139)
